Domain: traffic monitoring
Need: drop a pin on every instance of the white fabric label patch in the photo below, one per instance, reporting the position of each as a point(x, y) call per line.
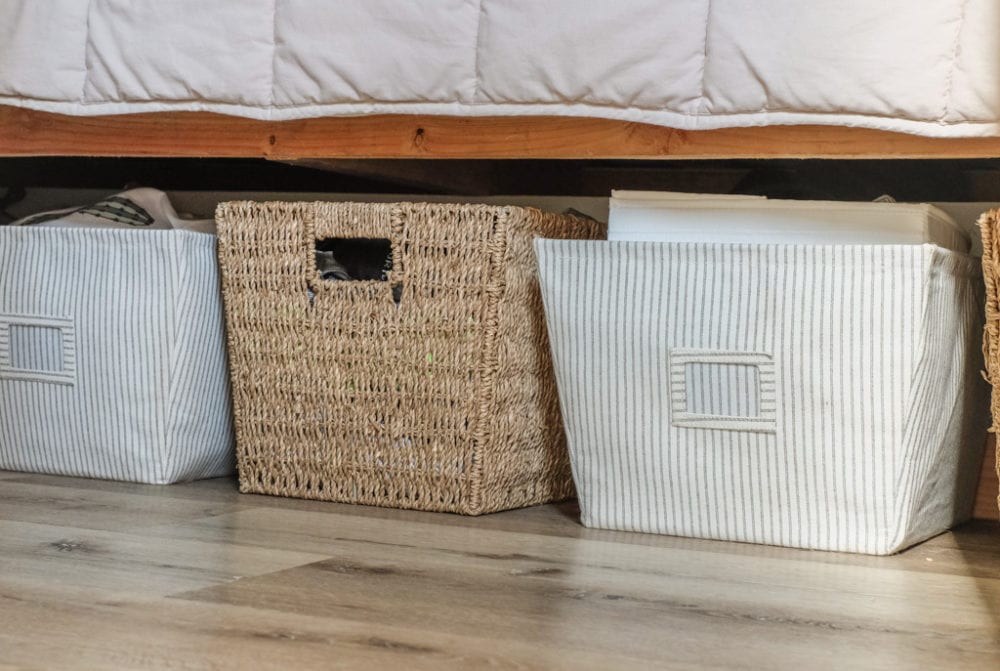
point(38, 349)
point(717, 389)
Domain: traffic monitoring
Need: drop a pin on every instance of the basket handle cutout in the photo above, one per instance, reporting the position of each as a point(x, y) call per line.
point(356, 260)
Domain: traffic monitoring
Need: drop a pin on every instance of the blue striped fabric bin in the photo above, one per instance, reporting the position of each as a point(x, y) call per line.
point(112, 356)
point(824, 397)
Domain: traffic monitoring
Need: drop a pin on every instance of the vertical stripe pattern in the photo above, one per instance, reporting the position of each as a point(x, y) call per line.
point(149, 401)
point(874, 416)
point(728, 390)
point(36, 348)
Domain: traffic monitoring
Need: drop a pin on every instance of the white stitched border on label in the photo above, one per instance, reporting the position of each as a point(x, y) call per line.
point(67, 329)
point(766, 389)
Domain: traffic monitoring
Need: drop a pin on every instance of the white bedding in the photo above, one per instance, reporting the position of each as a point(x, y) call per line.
point(931, 68)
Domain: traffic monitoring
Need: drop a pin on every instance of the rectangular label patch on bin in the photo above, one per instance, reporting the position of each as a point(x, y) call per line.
point(716, 389)
point(38, 349)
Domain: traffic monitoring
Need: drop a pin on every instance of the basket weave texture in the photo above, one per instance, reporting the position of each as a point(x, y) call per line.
point(989, 225)
point(445, 401)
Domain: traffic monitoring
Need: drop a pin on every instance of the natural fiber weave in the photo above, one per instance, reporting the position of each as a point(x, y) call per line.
point(444, 402)
point(989, 225)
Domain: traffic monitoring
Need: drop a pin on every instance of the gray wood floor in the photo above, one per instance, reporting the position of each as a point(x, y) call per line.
point(100, 575)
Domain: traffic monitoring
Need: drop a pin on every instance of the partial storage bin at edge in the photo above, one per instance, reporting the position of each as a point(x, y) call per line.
point(824, 397)
point(432, 390)
point(112, 355)
point(989, 225)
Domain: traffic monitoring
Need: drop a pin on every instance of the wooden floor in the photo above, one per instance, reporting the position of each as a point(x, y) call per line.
point(99, 575)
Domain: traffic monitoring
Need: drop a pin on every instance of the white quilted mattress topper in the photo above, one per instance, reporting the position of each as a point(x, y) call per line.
point(931, 68)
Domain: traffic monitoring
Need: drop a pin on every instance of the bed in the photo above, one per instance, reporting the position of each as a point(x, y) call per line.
point(299, 79)
point(557, 78)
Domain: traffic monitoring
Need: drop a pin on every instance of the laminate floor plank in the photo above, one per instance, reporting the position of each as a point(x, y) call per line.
point(180, 634)
point(97, 575)
point(541, 519)
point(214, 490)
point(975, 552)
point(600, 596)
point(42, 554)
point(87, 508)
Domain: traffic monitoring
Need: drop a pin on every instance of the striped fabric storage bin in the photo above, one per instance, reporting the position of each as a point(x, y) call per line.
point(824, 397)
point(112, 356)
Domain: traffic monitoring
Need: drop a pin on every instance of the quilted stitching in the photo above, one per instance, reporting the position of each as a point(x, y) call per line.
point(690, 64)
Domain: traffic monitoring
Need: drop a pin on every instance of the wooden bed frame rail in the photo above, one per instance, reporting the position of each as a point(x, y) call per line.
point(192, 134)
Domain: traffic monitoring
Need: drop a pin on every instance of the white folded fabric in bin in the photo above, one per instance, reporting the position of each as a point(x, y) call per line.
point(112, 356)
point(816, 396)
point(141, 208)
point(682, 217)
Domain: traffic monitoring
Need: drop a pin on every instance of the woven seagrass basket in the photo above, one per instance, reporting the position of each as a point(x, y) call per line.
point(989, 225)
point(432, 390)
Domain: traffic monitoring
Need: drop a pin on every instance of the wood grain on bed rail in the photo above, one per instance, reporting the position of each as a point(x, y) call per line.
point(30, 133)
